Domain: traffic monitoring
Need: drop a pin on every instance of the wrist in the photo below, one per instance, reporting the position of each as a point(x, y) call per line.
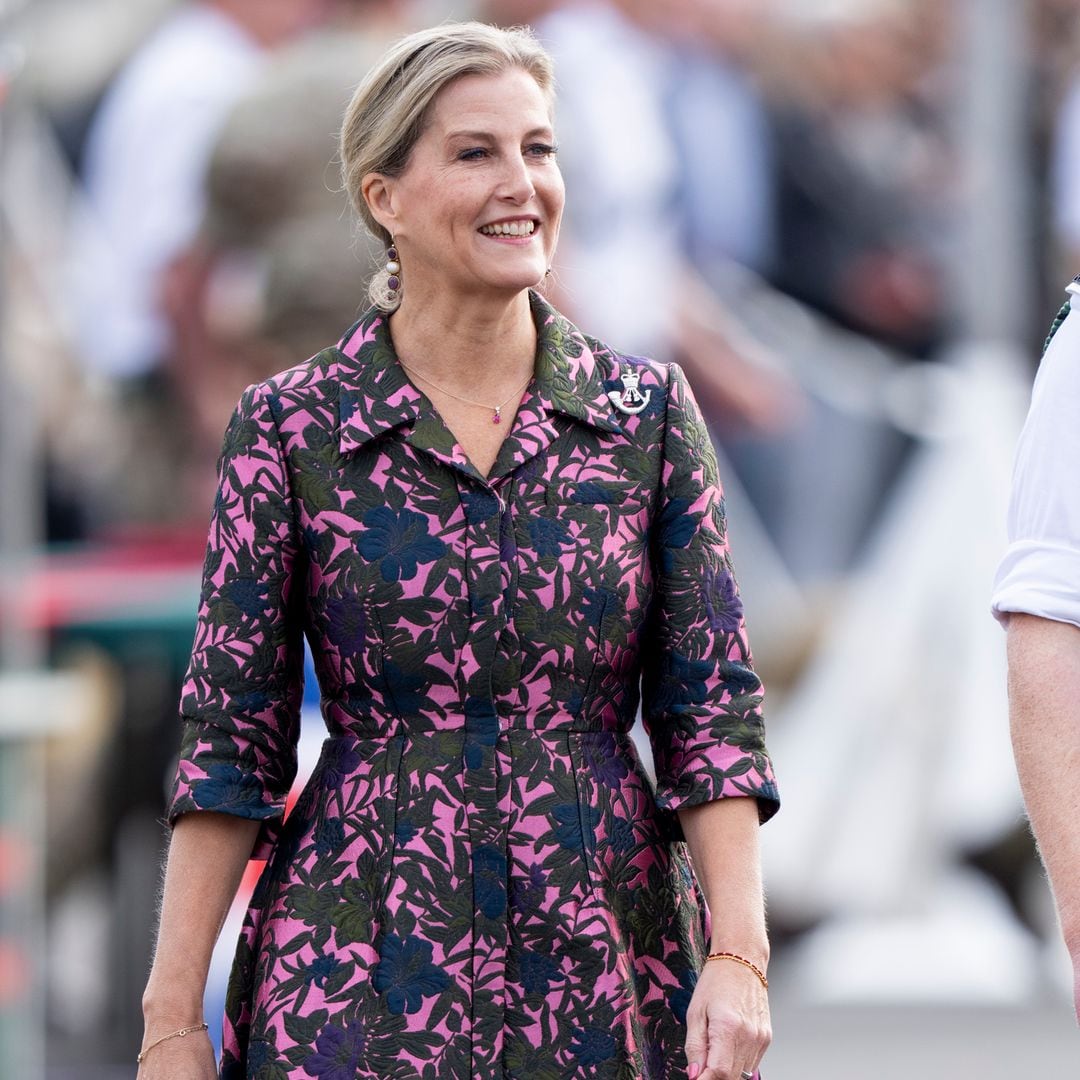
point(757, 952)
point(171, 1009)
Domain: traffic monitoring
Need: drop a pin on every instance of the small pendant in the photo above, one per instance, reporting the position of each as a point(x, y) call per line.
point(497, 418)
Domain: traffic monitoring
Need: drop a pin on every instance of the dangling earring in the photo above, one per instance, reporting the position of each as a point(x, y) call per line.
point(393, 270)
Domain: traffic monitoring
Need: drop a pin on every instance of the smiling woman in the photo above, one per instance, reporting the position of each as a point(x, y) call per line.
point(499, 536)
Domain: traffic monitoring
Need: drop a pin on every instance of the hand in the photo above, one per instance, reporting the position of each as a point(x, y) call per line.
point(187, 1057)
point(727, 1023)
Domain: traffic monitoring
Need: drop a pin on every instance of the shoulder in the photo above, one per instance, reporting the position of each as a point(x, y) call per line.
point(611, 363)
point(293, 397)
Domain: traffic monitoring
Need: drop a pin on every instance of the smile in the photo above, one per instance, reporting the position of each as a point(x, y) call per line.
point(510, 228)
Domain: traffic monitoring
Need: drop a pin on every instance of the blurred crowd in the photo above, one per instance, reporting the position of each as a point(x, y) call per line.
point(205, 241)
point(766, 191)
point(207, 244)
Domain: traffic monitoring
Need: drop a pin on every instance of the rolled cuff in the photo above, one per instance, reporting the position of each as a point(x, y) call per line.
point(208, 780)
point(716, 771)
point(1039, 578)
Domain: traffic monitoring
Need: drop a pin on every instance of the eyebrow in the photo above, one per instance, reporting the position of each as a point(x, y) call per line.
point(486, 136)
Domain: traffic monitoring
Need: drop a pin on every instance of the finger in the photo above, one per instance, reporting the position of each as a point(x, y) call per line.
point(724, 1038)
point(697, 1046)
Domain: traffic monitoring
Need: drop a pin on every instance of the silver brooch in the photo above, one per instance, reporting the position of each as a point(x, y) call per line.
point(630, 399)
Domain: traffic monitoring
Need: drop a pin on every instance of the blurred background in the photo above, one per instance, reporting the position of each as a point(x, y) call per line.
point(850, 220)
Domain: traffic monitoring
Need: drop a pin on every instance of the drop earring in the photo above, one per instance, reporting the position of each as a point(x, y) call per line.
point(393, 270)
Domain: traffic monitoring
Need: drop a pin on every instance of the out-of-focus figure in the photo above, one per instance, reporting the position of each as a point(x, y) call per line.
point(863, 168)
point(146, 155)
point(623, 109)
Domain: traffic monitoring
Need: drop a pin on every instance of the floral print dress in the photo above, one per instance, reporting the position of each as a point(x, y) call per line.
point(479, 879)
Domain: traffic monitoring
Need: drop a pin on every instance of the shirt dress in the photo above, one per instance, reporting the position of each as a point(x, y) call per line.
point(479, 880)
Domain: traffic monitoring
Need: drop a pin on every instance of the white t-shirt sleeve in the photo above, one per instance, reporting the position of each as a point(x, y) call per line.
point(1040, 572)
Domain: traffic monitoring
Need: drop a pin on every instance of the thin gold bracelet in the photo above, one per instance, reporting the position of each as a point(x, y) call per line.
point(178, 1034)
point(740, 960)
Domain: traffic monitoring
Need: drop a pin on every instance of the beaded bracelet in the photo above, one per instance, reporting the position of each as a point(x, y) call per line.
point(741, 960)
point(179, 1033)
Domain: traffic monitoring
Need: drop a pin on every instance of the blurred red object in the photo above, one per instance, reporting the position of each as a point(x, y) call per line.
point(118, 578)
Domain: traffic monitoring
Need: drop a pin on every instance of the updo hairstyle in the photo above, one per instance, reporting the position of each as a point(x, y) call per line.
point(390, 108)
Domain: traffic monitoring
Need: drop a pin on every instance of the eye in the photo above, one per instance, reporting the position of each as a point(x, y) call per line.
point(541, 150)
point(476, 153)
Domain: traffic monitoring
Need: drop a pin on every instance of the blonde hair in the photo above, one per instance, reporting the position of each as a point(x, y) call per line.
point(389, 110)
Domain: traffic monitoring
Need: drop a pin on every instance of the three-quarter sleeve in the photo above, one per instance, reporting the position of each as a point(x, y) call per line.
point(240, 704)
point(701, 700)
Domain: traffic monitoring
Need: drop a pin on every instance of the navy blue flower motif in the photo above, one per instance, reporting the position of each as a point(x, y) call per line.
point(575, 819)
point(528, 895)
point(231, 791)
point(406, 974)
point(329, 836)
point(592, 493)
point(320, 969)
point(739, 678)
point(404, 831)
point(538, 972)
point(603, 759)
point(348, 400)
point(346, 625)
point(687, 679)
point(479, 505)
point(338, 1052)
point(404, 689)
point(249, 594)
point(621, 834)
point(722, 602)
point(548, 536)
point(340, 760)
point(680, 999)
point(481, 729)
point(251, 702)
point(260, 1054)
point(594, 602)
point(675, 529)
point(489, 877)
point(400, 540)
point(593, 1046)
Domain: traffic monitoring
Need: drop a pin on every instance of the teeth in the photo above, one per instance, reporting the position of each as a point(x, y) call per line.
point(510, 228)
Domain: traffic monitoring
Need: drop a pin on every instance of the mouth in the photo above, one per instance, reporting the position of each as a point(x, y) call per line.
point(519, 227)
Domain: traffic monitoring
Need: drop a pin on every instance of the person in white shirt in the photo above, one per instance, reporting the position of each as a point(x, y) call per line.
point(1037, 597)
point(146, 157)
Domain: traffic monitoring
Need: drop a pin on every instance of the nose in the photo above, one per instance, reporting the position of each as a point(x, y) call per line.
point(516, 182)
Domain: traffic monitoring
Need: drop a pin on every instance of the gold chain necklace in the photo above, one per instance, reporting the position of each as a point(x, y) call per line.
point(496, 409)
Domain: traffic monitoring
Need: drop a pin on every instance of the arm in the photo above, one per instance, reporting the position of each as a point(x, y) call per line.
point(728, 1020)
point(240, 712)
point(207, 857)
point(1044, 715)
point(701, 703)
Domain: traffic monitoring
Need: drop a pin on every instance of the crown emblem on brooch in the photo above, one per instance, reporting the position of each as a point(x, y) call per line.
point(629, 399)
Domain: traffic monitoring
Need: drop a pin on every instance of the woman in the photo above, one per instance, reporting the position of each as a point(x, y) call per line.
point(492, 530)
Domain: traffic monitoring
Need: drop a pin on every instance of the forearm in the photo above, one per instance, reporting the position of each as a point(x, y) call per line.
point(207, 856)
point(723, 840)
point(1044, 715)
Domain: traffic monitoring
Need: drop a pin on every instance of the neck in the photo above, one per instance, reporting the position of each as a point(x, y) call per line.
point(478, 344)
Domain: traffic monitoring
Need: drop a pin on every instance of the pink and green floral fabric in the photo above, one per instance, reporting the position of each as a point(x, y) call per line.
point(479, 880)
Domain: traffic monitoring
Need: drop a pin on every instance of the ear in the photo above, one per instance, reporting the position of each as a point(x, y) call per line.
point(378, 192)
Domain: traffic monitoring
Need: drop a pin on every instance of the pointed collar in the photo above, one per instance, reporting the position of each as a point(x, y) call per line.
point(375, 396)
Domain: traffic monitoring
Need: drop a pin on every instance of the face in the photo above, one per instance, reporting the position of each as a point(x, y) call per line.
point(479, 204)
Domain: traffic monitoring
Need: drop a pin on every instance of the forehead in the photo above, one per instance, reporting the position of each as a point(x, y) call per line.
point(510, 99)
